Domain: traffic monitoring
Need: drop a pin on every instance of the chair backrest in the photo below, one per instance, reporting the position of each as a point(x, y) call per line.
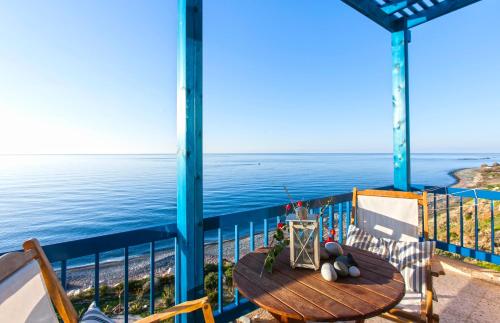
point(390, 214)
point(29, 288)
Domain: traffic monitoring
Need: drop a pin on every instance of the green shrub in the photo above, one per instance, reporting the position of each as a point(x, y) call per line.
point(211, 281)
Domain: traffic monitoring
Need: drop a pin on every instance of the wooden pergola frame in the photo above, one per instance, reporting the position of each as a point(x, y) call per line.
point(396, 16)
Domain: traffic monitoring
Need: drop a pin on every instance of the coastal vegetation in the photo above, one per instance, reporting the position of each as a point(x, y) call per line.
point(486, 177)
point(111, 297)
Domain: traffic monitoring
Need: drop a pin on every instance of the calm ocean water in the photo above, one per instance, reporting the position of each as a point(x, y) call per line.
point(64, 197)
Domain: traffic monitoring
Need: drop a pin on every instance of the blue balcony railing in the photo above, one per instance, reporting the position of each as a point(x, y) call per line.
point(233, 228)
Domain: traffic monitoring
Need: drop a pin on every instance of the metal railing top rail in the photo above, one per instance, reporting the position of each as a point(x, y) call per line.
point(232, 219)
point(459, 191)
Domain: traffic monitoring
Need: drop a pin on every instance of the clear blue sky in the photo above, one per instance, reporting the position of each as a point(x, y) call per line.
point(279, 76)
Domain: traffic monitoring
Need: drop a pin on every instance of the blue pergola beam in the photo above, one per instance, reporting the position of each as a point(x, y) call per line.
point(189, 152)
point(396, 6)
point(401, 110)
point(371, 9)
point(439, 9)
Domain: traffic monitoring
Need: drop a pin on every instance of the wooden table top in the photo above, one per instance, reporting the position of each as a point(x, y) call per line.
point(303, 295)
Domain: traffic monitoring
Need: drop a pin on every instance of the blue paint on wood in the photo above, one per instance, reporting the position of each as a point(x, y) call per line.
point(447, 218)
point(252, 241)
point(330, 217)
point(341, 224)
point(436, 11)
point(401, 110)
point(64, 266)
point(492, 228)
point(236, 258)
point(266, 234)
point(220, 289)
point(151, 277)
point(189, 151)
point(177, 274)
point(460, 191)
point(125, 286)
point(96, 279)
point(435, 217)
point(476, 225)
point(469, 252)
point(371, 9)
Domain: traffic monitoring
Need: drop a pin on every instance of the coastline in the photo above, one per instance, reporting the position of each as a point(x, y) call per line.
point(81, 278)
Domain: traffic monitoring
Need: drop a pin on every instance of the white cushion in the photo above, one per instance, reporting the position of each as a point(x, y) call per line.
point(411, 302)
point(409, 258)
point(24, 297)
point(94, 315)
point(388, 217)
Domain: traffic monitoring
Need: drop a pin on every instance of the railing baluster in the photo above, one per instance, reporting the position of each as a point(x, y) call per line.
point(63, 273)
point(349, 209)
point(330, 217)
point(341, 224)
point(492, 210)
point(347, 217)
point(220, 290)
point(435, 218)
point(237, 257)
point(252, 242)
point(96, 279)
point(266, 234)
point(447, 218)
point(461, 221)
point(152, 277)
point(125, 287)
point(321, 228)
point(177, 282)
point(476, 225)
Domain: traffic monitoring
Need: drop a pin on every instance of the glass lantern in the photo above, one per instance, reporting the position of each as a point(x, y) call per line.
point(304, 243)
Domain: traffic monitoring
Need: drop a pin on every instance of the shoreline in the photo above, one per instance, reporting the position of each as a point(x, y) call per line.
point(81, 278)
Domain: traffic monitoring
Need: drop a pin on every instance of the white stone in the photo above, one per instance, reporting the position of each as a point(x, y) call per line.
point(354, 271)
point(328, 272)
point(334, 249)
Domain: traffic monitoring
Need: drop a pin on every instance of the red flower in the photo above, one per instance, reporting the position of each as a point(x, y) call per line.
point(329, 240)
point(299, 203)
point(288, 207)
point(280, 226)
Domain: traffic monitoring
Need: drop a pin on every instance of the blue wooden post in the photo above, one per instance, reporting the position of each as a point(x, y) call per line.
point(189, 151)
point(401, 109)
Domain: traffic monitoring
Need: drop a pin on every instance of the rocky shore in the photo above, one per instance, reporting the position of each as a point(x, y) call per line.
point(112, 272)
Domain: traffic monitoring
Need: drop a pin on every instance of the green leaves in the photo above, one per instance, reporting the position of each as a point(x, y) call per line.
point(277, 245)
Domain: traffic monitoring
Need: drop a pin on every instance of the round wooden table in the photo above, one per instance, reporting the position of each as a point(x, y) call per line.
point(298, 295)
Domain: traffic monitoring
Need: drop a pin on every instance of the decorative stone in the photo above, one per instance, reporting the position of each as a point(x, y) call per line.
point(323, 254)
point(328, 272)
point(344, 260)
point(334, 249)
point(354, 271)
point(341, 268)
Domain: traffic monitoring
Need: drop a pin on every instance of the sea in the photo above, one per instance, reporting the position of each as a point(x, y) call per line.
point(58, 198)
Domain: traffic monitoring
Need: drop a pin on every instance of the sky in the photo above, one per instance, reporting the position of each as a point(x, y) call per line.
point(279, 76)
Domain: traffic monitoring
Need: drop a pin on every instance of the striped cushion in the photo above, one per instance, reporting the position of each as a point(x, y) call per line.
point(408, 257)
point(94, 315)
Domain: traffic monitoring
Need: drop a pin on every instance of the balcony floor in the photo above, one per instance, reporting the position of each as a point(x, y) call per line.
point(466, 294)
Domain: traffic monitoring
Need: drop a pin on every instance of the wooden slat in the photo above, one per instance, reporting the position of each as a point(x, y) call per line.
point(379, 288)
point(292, 282)
point(299, 304)
point(262, 298)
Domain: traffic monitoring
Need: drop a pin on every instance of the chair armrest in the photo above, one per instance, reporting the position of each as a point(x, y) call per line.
point(186, 307)
point(436, 267)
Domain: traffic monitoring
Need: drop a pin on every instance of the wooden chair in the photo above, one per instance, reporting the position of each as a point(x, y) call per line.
point(395, 215)
point(30, 290)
